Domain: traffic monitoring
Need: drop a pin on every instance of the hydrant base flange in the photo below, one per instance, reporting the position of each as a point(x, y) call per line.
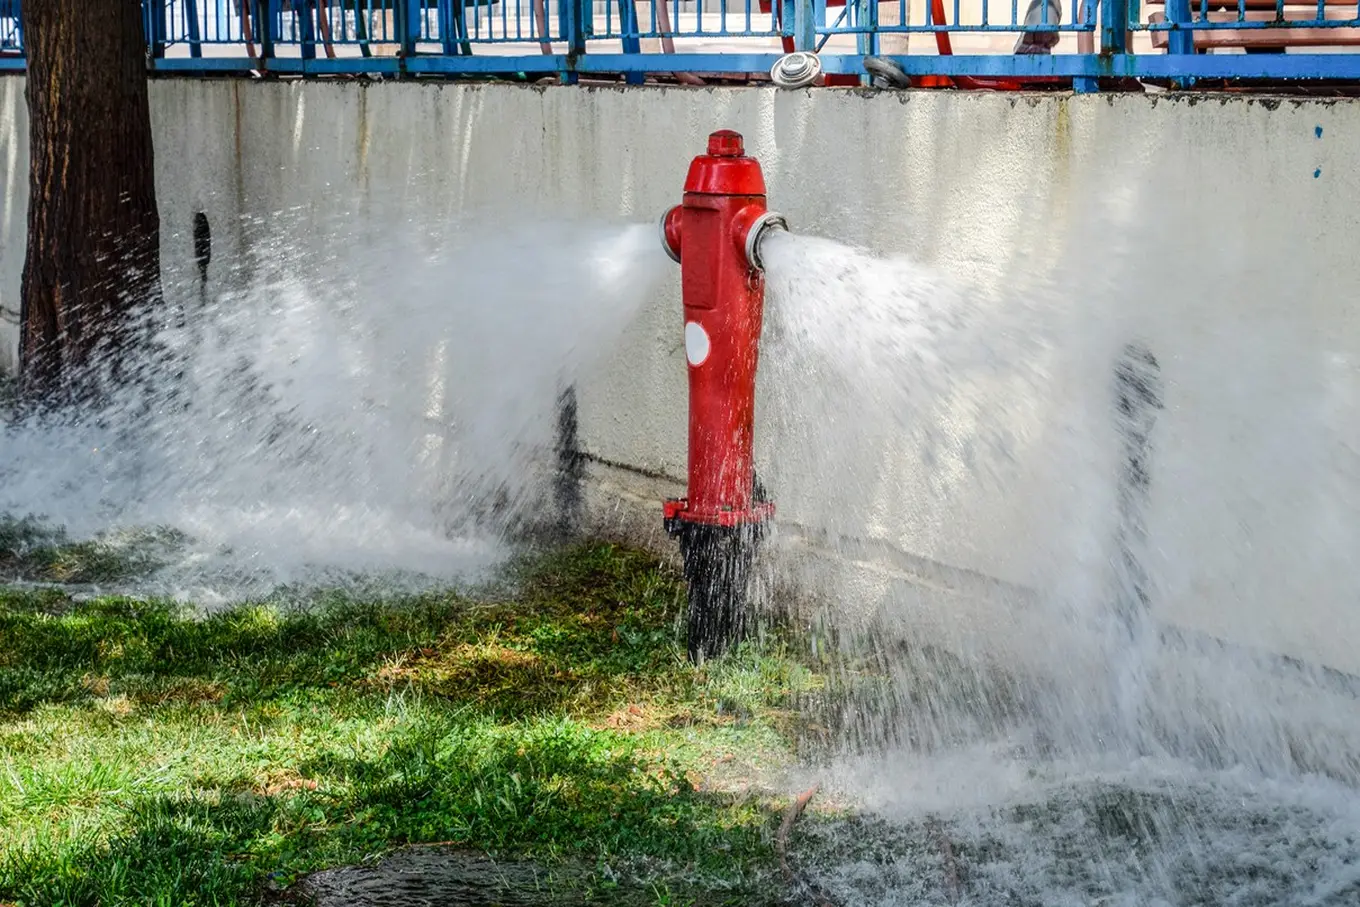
point(675, 511)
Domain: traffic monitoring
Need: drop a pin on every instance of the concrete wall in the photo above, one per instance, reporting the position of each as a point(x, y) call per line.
point(1219, 230)
point(13, 218)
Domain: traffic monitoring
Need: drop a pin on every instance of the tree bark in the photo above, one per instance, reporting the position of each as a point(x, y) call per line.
point(93, 255)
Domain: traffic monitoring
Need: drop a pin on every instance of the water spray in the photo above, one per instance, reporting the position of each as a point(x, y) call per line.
point(715, 235)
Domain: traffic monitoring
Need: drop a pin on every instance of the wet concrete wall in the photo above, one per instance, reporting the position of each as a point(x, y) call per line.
point(1216, 230)
point(13, 217)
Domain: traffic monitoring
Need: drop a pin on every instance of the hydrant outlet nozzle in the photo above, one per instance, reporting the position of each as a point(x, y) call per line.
point(796, 70)
point(670, 232)
point(756, 234)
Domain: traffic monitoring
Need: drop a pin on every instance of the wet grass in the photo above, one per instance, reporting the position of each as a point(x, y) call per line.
point(33, 551)
point(148, 756)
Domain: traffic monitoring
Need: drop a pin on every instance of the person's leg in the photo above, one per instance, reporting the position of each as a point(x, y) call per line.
point(1040, 42)
point(17, 12)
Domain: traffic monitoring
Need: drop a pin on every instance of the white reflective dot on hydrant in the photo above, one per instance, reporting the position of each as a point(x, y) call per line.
point(697, 345)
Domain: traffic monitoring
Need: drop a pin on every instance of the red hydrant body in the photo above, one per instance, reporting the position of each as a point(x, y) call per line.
point(715, 235)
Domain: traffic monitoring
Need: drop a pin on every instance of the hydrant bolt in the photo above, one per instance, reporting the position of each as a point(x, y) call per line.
point(725, 143)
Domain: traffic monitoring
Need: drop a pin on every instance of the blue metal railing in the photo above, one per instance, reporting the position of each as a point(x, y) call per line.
point(993, 43)
point(866, 18)
point(1189, 26)
point(11, 39)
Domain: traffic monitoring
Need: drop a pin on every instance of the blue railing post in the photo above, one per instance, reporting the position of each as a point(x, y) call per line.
point(574, 30)
point(269, 26)
point(13, 10)
point(632, 42)
point(1114, 27)
point(1180, 40)
point(153, 15)
point(408, 27)
point(195, 31)
point(866, 20)
point(362, 9)
point(452, 26)
point(306, 27)
point(805, 25)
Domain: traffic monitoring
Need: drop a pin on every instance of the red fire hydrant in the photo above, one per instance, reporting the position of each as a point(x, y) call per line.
point(716, 235)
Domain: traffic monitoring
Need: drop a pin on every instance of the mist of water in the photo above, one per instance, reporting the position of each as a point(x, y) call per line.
point(385, 405)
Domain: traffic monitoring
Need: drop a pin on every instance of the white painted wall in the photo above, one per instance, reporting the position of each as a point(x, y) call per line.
point(1219, 229)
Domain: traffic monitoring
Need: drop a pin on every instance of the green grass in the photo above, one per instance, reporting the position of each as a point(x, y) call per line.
point(150, 757)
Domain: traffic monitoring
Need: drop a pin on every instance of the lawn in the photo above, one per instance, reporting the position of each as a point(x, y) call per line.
point(149, 755)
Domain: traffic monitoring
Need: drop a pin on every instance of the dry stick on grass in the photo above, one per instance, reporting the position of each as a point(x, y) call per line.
point(781, 839)
point(781, 843)
point(951, 864)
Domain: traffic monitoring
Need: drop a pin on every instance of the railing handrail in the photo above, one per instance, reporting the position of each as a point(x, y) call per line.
point(564, 38)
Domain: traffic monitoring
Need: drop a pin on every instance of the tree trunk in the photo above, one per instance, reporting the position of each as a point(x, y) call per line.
point(93, 229)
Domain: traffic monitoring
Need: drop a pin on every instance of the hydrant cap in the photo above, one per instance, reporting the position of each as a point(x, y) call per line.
point(725, 143)
point(725, 169)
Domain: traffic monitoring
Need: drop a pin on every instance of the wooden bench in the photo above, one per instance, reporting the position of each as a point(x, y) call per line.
point(1265, 39)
